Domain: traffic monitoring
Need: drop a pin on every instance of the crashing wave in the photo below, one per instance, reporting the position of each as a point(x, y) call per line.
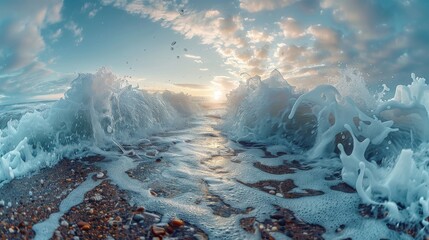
point(383, 145)
point(97, 111)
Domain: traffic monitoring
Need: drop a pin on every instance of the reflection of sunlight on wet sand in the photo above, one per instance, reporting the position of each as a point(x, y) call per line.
point(209, 104)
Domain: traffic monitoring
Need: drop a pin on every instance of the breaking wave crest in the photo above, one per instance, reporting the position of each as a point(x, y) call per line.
point(97, 112)
point(382, 143)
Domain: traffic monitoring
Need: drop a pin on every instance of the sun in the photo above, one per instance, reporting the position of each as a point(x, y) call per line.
point(217, 95)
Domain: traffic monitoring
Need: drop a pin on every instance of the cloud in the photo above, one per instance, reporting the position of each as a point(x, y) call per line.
point(23, 74)
point(256, 36)
point(290, 28)
point(192, 86)
point(258, 5)
point(371, 19)
point(56, 35)
point(192, 56)
point(76, 31)
point(90, 8)
point(197, 59)
point(224, 83)
point(218, 30)
point(22, 22)
point(380, 38)
point(33, 80)
point(204, 69)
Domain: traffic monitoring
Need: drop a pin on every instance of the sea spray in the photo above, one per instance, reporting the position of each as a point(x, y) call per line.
point(97, 111)
point(382, 144)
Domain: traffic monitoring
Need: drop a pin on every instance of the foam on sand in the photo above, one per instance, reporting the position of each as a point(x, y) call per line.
point(382, 143)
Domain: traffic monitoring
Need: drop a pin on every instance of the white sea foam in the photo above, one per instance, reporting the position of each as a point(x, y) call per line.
point(382, 143)
point(97, 111)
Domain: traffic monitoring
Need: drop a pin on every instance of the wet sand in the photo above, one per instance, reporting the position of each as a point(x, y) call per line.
point(108, 212)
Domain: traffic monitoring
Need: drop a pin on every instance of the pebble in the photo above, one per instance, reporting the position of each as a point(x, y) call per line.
point(340, 228)
point(169, 229)
point(75, 238)
point(100, 175)
point(140, 210)
point(277, 216)
point(176, 222)
point(84, 225)
point(200, 236)
point(153, 193)
point(158, 231)
point(64, 223)
point(138, 217)
point(279, 195)
point(2, 203)
point(272, 192)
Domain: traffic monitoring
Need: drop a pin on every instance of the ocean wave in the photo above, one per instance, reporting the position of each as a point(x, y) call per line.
point(97, 112)
point(382, 143)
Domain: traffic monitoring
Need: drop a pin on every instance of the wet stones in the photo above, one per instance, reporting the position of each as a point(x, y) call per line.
point(158, 231)
point(112, 216)
point(248, 224)
point(343, 187)
point(286, 168)
point(282, 188)
point(34, 198)
point(283, 221)
point(138, 217)
point(219, 207)
point(176, 223)
point(84, 225)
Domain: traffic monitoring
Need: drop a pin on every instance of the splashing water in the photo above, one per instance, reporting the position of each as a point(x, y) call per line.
point(97, 111)
point(382, 144)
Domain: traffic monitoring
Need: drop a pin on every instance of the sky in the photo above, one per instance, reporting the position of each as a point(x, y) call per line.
point(206, 47)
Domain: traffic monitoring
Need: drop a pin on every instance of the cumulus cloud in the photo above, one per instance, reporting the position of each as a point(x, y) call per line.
point(225, 33)
point(258, 5)
point(368, 35)
point(256, 36)
point(290, 28)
